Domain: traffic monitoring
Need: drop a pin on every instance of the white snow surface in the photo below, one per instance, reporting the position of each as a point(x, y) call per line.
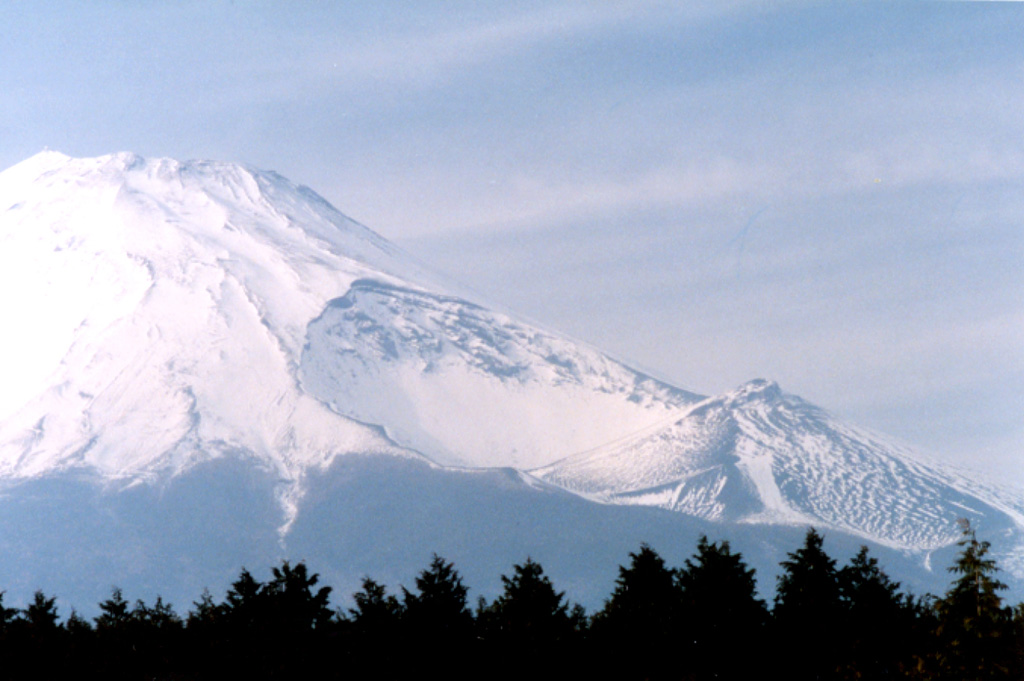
point(157, 313)
point(167, 312)
point(468, 386)
point(758, 455)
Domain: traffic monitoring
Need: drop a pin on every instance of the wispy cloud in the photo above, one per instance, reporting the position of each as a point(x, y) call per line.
point(447, 46)
point(592, 164)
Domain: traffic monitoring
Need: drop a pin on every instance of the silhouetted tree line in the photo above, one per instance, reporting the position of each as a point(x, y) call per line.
point(702, 620)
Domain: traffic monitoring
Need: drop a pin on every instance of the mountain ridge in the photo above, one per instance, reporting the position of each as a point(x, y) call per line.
point(775, 458)
point(173, 314)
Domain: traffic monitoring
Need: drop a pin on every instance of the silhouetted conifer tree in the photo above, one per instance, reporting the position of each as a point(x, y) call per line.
point(376, 613)
point(158, 617)
point(242, 604)
point(81, 634)
point(243, 639)
point(295, 621)
point(439, 603)
point(205, 612)
point(41, 613)
point(115, 614)
point(272, 630)
point(881, 633)
point(78, 626)
point(974, 631)
point(436, 618)
point(529, 623)
point(641, 624)
point(35, 642)
point(294, 602)
point(720, 608)
point(808, 613)
point(205, 632)
point(139, 641)
point(7, 615)
point(156, 637)
point(81, 640)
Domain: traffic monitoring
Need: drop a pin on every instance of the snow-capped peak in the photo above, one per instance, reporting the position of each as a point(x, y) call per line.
point(174, 310)
point(757, 454)
point(756, 389)
point(161, 313)
point(162, 310)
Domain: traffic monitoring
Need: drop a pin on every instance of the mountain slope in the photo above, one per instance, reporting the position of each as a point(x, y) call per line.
point(758, 455)
point(161, 313)
point(190, 344)
point(468, 386)
point(170, 312)
point(378, 516)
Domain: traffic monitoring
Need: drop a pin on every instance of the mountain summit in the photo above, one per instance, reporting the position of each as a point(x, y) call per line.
point(161, 312)
point(170, 312)
point(168, 321)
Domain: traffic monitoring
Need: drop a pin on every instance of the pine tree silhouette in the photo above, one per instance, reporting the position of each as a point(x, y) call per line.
point(808, 613)
point(641, 624)
point(720, 607)
point(529, 618)
point(974, 630)
point(881, 631)
point(436, 620)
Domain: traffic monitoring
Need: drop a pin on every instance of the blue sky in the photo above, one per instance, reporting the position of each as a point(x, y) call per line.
point(825, 194)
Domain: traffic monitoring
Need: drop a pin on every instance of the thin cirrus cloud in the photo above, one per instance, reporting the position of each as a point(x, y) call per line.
point(788, 129)
point(822, 193)
point(434, 49)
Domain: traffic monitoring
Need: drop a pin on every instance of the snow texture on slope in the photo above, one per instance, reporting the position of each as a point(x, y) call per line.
point(159, 314)
point(165, 309)
point(757, 455)
point(469, 386)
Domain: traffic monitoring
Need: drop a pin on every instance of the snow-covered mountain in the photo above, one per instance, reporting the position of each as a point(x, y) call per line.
point(167, 312)
point(160, 311)
point(758, 455)
point(469, 386)
point(209, 332)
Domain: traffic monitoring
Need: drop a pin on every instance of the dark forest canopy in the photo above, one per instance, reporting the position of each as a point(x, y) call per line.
point(701, 620)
